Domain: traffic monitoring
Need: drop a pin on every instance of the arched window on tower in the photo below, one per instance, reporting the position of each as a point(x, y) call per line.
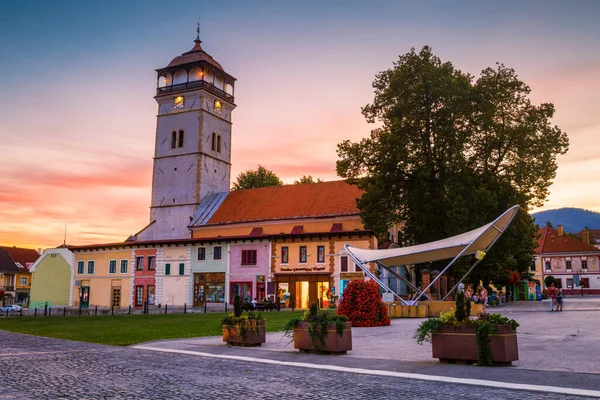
point(173, 139)
point(214, 141)
point(196, 74)
point(180, 77)
point(218, 143)
point(180, 139)
point(164, 80)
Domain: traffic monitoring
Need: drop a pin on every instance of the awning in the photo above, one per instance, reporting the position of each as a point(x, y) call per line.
point(480, 239)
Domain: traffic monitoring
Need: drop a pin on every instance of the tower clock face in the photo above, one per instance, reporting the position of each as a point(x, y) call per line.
point(178, 102)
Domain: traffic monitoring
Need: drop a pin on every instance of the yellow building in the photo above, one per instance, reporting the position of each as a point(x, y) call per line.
point(51, 278)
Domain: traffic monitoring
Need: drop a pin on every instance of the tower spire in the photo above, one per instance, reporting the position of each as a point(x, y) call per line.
point(198, 41)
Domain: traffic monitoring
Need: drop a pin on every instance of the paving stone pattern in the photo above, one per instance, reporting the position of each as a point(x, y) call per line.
point(43, 368)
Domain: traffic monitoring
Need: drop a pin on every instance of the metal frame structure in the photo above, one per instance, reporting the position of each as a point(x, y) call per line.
point(478, 241)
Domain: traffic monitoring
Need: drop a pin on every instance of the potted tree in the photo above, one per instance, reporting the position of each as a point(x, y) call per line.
point(320, 332)
point(241, 330)
point(489, 339)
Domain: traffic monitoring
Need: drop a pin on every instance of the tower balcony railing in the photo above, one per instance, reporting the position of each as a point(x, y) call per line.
point(195, 85)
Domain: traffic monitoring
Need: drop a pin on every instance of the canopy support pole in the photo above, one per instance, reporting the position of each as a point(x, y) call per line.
point(403, 279)
point(373, 277)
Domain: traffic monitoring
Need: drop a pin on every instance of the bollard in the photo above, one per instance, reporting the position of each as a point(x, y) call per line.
point(35, 312)
point(225, 307)
point(80, 309)
point(205, 307)
point(96, 311)
point(46, 309)
point(49, 311)
point(130, 309)
point(185, 308)
point(65, 312)
point(6, 313)
point(21, 312)
point(112, 310)
point(166, 308)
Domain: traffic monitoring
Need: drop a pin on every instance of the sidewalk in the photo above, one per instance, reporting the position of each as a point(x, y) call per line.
point(555, 349)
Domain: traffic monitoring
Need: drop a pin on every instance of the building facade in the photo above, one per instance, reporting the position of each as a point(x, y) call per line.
point(51, 278)
point(573, 263)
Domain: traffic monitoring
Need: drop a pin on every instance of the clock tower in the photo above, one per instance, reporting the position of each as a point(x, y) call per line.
point(192, 156)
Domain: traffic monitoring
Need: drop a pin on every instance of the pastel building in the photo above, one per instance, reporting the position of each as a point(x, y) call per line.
point(15, 278)
point(51, 278)
point(173, 276)
point(209, 267)
point(303, 228)
point(573, 263)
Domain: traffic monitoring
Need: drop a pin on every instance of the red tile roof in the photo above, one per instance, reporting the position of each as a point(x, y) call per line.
point(21, 255)
point(550, 242)
point(310, 200)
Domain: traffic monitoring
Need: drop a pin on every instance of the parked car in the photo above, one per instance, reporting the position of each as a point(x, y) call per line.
point(13, 308)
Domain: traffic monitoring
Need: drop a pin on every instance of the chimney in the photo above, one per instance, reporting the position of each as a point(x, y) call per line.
point(585, 236)
point(559, 228)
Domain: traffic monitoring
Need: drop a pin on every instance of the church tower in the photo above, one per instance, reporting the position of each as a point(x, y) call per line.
point(192, 156)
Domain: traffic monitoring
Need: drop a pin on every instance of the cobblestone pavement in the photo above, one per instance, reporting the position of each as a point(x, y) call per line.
point(43, 368)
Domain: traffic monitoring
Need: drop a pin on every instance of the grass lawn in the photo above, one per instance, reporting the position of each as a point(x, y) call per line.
point(125, 330)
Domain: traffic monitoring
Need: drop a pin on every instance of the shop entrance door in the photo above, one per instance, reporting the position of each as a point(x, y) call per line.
point(199, 294)
point(260, 292)
point(85, 297)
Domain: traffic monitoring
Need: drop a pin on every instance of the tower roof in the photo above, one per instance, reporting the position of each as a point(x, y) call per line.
point(196, 54)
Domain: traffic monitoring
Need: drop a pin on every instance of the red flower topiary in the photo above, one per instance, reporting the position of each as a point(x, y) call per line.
point(362, 304)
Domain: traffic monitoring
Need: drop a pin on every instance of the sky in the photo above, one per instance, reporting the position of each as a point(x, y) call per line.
point(78, 117)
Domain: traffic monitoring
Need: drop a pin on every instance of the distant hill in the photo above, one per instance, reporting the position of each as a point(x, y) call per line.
point(573, 220)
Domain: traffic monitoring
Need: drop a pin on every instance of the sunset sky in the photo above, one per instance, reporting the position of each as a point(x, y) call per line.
point(78, 118)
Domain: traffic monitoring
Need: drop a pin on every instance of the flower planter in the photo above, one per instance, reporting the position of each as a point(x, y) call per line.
point(334, 343)
point(459, 343)
point(231, 334)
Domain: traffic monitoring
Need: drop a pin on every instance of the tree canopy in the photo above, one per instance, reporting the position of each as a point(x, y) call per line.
point(452, 152)
point(307, 179)
point(255, 179)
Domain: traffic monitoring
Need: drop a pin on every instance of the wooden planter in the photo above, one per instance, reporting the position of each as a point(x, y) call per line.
point(231, 335)
point(334, 343)
point(459, 343)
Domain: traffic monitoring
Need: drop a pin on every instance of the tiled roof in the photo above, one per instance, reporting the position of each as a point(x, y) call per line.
point(550, 242)
point(6, 262)
point(196, 54)
point(310, 200)
point(594, 235)
point(23, 256)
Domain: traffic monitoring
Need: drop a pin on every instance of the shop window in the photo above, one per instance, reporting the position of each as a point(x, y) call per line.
point(321, 254)
point(585, 283)
point(90, 267)
point(139, 263)
point(80, 267)
point(139, 296)
point(112, 267)
point(123, 266)
point(285, 255)
point(242, 289)
point(167, 269)
point(547, 266)
point(151, 262)
point(201, 253)
point(248, 257)
point(302, 254)
point(344, 264)
point(181, 268)
point(116, 297)
point(217, 253)
point(570, 283)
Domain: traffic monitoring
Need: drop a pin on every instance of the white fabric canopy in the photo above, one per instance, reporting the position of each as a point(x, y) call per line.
point(477, 239)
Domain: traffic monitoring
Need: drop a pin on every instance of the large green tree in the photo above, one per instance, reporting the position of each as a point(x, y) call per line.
point(451, 153)
point(255, 179)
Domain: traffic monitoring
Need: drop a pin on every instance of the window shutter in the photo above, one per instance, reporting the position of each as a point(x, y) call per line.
point(167, 269)
point(181, 269)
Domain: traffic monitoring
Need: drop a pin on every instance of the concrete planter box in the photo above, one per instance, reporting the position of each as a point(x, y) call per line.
point(436, 307)
point(231, 335)
point(334, 343)
point(459, 343)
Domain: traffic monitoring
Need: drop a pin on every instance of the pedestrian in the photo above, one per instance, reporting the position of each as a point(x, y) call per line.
point(559, 300)
point(254, 303)
point(552, 296)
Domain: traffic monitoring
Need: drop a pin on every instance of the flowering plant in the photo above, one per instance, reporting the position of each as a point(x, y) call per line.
point(362, 304)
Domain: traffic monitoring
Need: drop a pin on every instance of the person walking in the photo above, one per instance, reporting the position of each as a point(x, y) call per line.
point(552, 296)
point(559, 300)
